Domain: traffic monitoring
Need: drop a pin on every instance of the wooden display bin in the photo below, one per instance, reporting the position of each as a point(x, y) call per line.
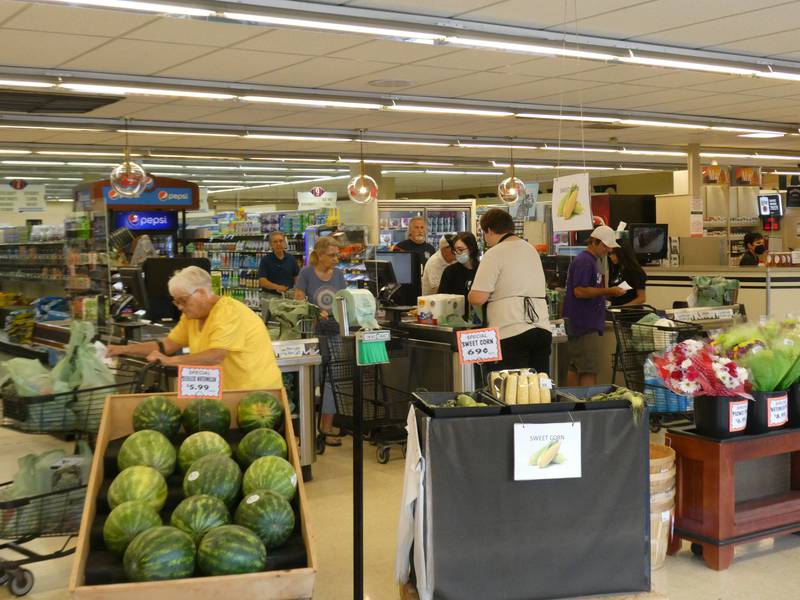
point(294, 584)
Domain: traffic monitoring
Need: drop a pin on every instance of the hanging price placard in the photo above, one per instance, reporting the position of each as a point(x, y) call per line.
point(199, 382)
point(479, 345)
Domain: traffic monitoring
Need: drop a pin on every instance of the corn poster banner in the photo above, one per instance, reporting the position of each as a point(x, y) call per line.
point(547, 450)
point(572, 210)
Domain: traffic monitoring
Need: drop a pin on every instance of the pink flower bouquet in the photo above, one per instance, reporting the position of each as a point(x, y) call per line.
point(693, 368)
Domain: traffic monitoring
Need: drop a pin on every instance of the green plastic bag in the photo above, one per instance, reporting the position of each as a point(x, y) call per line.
point(288, 314)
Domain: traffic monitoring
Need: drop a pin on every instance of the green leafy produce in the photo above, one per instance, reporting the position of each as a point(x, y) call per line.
point(462, 401)
point(260, 442)
point(636, 400)
point(204, 414)
point(159, 413)
point(160, 553)
point(229, 550)
point(125, 522)
point(271, 473)
point(201, 444)
point(149, 448)
point(197, 515)
point(138, 483)
point(259, 409)
point(269, 515)
point(215, 475)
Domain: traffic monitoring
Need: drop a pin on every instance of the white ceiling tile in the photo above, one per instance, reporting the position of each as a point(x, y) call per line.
point(551, 67)
point(513, 93)
point(129, 56)
point(746, 85)
point(77, 20)
point(172, 112)
point(458, 87)
point(671, 78)
point(122, 108)
point(193, 31)
point(552, 90)
point(252, 115)
point(115, 139)
point(785, 42)
point(544, 14)
point(232, 65)
point(313, 44)
point(474, 60)
point(319, 72)
point(392, 52)
point(367, 120)
point(615, 73)
point(419, 75)
point(9, 9)
point(443, 8)
point(20, 48)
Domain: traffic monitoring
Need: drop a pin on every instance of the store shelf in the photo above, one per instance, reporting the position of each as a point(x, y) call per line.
point(51, 243)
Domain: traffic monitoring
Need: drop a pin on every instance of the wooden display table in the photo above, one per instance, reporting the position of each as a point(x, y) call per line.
point(706, 510)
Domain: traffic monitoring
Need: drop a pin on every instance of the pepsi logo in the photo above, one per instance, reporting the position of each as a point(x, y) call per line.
point(163, 195)
point(112, 193)
point(133, 219)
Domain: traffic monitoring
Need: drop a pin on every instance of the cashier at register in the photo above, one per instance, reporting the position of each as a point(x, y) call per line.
point(754, 248)
point(217, 331)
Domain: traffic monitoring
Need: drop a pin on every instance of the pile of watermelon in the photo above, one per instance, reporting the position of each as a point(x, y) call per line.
point(195, 505)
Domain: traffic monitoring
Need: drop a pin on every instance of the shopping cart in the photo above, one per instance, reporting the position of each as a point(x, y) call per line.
point(384, 419)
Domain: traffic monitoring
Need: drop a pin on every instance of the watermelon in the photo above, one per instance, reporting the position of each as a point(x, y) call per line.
point(215, 475)
point(260, 442)
point(158, 413)
point(204, 414)
point(231, 549)
point(271, 473)
point(127, 521)
point(138, 483)
point(269, 515)
point(198, 515)
point(160, 553)
point(259, 409)
point(201, 444)
point(149, 448)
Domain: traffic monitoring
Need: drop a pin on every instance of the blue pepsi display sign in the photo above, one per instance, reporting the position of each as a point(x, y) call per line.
point(166, 197)
point(151, 220)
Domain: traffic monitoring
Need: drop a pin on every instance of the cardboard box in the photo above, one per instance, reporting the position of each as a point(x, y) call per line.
point(294, 584)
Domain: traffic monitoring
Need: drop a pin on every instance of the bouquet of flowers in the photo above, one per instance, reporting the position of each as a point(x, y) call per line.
point(694, 368)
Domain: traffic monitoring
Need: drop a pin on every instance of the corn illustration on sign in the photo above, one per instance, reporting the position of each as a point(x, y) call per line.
point(547, 450)
point(572, 203)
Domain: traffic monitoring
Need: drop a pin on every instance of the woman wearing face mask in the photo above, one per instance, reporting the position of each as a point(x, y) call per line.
point(754, 248)
point(624, 268)
point(457, 278)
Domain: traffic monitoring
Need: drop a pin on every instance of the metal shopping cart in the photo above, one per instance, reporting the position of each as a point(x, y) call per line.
point(639, 333)
point(384, 418)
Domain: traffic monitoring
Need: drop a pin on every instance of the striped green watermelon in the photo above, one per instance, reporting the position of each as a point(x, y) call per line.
point(214, 475)
point(269, 515)
point(259, 409)
point(271, 473)
point(127, 521)
point(159, 413)
point(260, 442)
point(138, 483)
point(149, 448)
point(160, 553)
point(204, 414)
point(201, 444)
point(198, 515)
point(231, 549)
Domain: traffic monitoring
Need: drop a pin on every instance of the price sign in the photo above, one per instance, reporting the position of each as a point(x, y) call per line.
point(199, 382)
point(738, 416)
point(778, 411)
point(479, 346)
point(287, 350)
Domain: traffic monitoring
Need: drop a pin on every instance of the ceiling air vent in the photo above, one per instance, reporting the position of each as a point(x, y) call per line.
point(47, 102)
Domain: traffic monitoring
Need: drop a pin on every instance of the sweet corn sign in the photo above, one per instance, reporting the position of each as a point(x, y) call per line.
point(547, 451)
point(572, 210)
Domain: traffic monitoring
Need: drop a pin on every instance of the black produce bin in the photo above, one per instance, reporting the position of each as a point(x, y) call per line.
point(794, 405)
point(766, 404)
point(582, 393)
point(712, 416)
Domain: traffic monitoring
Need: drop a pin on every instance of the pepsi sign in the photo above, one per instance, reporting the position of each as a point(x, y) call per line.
point(168, 197)
point(146, 220)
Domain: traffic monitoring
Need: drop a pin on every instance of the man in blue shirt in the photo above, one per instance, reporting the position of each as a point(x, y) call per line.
point(278, 270)
point(585, 307)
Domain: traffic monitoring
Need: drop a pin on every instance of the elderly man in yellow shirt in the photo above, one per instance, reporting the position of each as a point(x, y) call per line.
point(217, 330)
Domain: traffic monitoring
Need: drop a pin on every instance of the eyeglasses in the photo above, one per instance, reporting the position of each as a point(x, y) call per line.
point(182, 301)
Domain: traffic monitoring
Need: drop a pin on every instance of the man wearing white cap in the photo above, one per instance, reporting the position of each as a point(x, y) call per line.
point(432, 275)
point(585, 307)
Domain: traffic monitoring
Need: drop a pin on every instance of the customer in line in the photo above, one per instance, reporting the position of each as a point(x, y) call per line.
point(754, 249)
point(585, 307)
point(511, 280)
point(278, 270)
point(417, 245)
point(318, 282)
point(624, 268)
point(458, 277)
point(432, 274)
point(217, 330)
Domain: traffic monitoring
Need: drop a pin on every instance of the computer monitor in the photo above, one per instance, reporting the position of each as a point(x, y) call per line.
point(402, 264)
point(157, 272)
point(133, 280)
point(381, 272)
point(650, 241)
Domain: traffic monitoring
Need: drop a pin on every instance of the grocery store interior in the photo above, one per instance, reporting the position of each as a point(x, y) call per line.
point(140, 138)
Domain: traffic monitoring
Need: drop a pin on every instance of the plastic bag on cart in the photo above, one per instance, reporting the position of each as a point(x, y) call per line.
point(30, 377)
point(81, 367)
point(288, 314)
point(642, 333)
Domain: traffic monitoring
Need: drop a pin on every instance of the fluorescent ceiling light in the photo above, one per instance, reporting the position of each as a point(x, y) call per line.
point(779, 75)
point(451, 172)
point(319, 170)
point(652, 152)
point(33, 163)
point(402, 172)
point(249, 168)
point(442, 110)
point(723, 155)
point(785, 172)
point(645, 123)
point(532, 166)
point(687, 65)
point(64, 200)
point(3, 151)
point(742, 130)
point(46, 128)
point(293, 159)
point(375, 161)
point(152, 7)
point(478, 145)
point(312, 102)
point(553, 117)
point(162, 174)
point(28, 178)
point(122, 90)
point(578, 149)
point(296, 138)
point(75, 153)
point(762, 135)
point(332, 26)
point(774, 157)
point(222, 181)
point(405, 143)
point(528, 48)
point(195, 157)
point(434, 164)
point(634, 169)
point(150, 165)
point(584, 168)
point(91, 164)
point(212, 167)
point(22, 83)
point(69, 179)
point(195, 133)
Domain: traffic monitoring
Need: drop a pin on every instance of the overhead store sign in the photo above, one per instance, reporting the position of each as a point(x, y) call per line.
point(163, 193)
point(163, 197)
point(315, 199)
point(15, 197)
point(152, 220)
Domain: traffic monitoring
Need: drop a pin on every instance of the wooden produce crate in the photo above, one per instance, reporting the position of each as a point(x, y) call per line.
point(292, 584)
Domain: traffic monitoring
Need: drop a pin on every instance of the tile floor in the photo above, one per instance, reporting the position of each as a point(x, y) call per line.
point(761, 571)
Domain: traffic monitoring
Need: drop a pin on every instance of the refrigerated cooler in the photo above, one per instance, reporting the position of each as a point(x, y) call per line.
point(442, 216)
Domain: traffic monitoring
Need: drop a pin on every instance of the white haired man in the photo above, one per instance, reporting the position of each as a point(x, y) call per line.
point(217, 330)
point(432, 274)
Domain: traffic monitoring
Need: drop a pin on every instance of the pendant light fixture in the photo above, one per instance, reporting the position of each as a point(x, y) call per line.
point(362, 188)
point(511, 188)
point(128, 179)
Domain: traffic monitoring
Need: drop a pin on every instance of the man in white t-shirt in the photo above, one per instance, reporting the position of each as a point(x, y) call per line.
point(432, 274)
point(511, 280)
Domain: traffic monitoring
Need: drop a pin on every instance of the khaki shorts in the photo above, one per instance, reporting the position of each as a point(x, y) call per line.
point(583, 352)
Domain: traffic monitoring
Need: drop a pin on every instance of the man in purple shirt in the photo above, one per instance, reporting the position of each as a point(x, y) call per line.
point(585, 307)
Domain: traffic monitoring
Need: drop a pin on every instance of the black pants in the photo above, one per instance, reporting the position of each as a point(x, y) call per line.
point(528, 350)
